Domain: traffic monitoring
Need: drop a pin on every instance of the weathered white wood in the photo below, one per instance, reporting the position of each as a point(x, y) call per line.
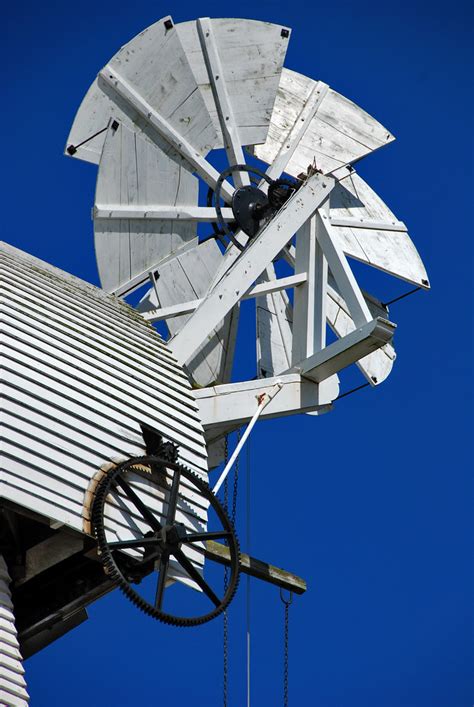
point(309, 308)
point(248, 50)
point(134, 173)
point(141, 278)
point(369, 224)
point(339, 133)
point(230, 131)
point(127, 93)
point(283, 283)
point(341, 270)
point(301, 124)
point(387, 249)
point(256, 257)
point(348, 350)
point(235, 403)
point(12, 683)
point(79, 376)
point(155, 63)
point(181, 281)
point(199, 214)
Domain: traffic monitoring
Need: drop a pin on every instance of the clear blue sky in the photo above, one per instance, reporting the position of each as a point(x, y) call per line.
point(372, 504)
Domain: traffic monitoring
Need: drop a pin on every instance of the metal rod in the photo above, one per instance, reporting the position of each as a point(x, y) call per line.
point(410, 292)
point(264, 399)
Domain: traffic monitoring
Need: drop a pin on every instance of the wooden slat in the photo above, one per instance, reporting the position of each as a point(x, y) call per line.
point(339, 133)
point(155, 63)
point(256, 568)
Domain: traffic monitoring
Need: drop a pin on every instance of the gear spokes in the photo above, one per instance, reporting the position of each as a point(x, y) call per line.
point(163, 545)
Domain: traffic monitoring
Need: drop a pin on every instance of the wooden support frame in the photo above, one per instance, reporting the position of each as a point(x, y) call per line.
point(340, 269)
point(309, 308)
point(175, 310)
point(127, 93)
point(235, 403)
point(241, 275)
point(367, 338)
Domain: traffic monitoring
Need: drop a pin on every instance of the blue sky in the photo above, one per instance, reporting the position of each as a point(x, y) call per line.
point(372, 503)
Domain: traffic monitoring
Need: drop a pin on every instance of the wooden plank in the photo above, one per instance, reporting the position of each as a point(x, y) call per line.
point(198, 214)
point(283, 283)
point(125, 92)
point(309, 308)
point(387, 249)
point(339, 133)
point(134, 173)
point(341, 270)
point(235, 403)
point(256, 257)
point(256, 568)
point(155, 63)
point(217, 80)
point(347, 350)
point(251, 56)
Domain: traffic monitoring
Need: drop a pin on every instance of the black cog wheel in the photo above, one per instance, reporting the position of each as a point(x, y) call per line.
point(163, 540)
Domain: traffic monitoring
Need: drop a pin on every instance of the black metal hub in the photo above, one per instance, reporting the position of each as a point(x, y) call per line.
point(249, 206)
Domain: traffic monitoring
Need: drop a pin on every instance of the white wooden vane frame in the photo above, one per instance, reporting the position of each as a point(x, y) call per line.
point(325, 231)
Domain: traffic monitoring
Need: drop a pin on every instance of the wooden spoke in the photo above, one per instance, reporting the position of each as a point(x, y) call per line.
point(194, 574)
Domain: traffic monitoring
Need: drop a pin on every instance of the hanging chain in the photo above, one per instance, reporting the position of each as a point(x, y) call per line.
point(287, 603)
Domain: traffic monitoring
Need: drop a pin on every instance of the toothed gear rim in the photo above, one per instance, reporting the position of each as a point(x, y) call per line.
point(172, 529)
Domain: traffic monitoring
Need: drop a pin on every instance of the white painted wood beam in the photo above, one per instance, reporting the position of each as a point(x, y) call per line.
point(127, 93)
point(369, 224)
point(175, 310)
point(309, 307)
point(235, 403)
point(245, 270)
point(298, 130)
point(340, 269)
point(230, 133)
point(128, 287)
point(367, 338)
point(198, 214)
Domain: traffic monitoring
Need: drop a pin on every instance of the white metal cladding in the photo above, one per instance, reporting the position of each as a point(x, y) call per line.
point(12, 683)
point(80, 370)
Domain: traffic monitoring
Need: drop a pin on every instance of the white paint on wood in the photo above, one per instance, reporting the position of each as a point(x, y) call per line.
point(339, 133)
point(12, 683)
point(155, 64)
point(135, 173)
point(388, 249)
point(244, 271)
point(248, 50)
point(235, 403)
point(80, 371)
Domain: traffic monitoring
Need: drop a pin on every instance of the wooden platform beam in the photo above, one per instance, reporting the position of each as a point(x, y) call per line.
point(256, 568)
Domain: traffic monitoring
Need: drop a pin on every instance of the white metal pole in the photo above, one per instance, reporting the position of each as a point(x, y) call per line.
point(263, 401)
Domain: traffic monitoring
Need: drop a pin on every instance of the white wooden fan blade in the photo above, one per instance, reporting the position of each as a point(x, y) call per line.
point(339, 133)
point(251, 55)
point(135, 173)
point(185, 278)
point(154, 63)
point(389, 249)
